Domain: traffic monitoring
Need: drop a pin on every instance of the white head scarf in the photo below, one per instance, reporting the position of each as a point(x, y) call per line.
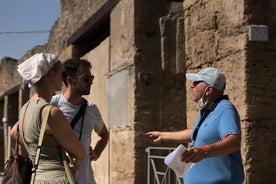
point(36, 67)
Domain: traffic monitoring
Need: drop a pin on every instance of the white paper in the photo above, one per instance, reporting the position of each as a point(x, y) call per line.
point(173, 161)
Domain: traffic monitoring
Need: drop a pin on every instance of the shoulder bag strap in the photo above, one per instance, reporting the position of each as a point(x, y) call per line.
point(45, 116)
point(83, 109)
point(76, 118)
point(15, 157)
point(80, 113)
point(16, 149)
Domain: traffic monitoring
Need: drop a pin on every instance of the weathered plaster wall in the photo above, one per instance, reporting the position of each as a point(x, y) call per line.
point(122, 53)
point(99, 58)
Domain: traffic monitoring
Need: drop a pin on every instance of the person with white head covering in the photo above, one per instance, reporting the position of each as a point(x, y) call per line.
point(34, 68)
point(216, 135)
point(43, 72)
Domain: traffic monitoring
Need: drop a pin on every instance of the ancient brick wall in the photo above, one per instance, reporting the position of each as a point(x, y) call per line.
point(150, 47)
point(217, 35)
point(160, 101)
point(9, 78)
point(73, 14)
point(260, 137)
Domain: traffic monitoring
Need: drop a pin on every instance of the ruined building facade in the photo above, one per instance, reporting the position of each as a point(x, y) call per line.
point(140, 51)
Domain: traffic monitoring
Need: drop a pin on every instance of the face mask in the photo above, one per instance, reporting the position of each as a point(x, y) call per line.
point(201, 104)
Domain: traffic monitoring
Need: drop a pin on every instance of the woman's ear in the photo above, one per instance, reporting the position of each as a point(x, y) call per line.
point(52, 75)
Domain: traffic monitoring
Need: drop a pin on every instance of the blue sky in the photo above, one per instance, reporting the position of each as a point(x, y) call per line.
point(23, 16)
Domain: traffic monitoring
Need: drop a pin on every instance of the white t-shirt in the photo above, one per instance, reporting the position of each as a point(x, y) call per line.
point(92, 121)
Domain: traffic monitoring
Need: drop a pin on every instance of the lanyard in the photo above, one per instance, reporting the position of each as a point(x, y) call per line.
point(203, 117)
point(206, 113)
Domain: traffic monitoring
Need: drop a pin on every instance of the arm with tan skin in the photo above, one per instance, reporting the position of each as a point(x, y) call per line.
point(59, 127)
point(13, 133)
point(229, 144)
point(178, 136)
point(100, 145)
point(64, 138)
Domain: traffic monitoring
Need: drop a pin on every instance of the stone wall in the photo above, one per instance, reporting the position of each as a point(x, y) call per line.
point(215, 36)
point(140, 67)
point(9, 78)
point(260, 74)
point(218, 34)
point(99, 58)
point(73, 14)
point(143, 40)
point(160, 101)
point(122, 53)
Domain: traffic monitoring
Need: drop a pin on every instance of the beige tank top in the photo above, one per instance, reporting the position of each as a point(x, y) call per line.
point(50, 166)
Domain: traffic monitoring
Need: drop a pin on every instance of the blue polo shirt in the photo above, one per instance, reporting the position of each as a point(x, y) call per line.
point(228, 169)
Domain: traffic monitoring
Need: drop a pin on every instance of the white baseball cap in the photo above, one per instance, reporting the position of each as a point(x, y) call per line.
point(211, 76)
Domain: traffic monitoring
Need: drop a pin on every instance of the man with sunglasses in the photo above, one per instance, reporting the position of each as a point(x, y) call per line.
point(78, 80)
point(216, 135)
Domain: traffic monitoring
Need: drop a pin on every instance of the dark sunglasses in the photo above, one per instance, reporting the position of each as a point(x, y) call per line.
point(87, 78)
point(195, 83)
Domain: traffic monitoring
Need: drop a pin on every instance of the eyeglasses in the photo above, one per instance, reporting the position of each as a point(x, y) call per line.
point(195, 83)
point(88, 78)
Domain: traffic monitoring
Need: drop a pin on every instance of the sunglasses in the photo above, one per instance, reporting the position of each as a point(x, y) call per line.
point(195, 83)
point(88, 78)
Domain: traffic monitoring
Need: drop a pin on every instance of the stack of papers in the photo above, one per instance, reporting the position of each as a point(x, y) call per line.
point(174, 161)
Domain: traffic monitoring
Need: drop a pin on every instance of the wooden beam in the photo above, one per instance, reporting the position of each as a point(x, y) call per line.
point(95, 26)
